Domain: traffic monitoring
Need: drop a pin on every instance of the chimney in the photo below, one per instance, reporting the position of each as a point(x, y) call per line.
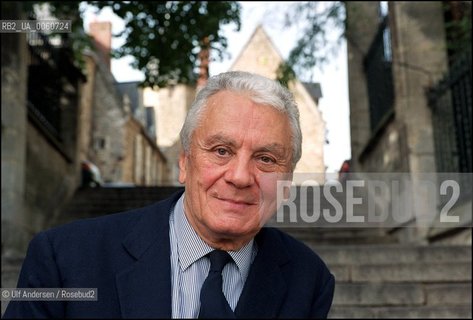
point(102, 34)
point(204, 64)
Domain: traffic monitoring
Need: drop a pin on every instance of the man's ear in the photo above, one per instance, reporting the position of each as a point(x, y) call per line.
point(182, 167)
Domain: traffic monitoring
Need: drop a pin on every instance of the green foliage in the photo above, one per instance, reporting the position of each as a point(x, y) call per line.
point(164, 37)
point(285, 74)
point(313, 46)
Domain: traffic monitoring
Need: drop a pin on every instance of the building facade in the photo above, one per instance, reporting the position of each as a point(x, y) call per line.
point(397, 54)
point(170, 107)
point(119, 138)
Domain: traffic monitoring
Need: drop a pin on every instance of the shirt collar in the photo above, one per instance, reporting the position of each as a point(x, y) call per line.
point(191, 247)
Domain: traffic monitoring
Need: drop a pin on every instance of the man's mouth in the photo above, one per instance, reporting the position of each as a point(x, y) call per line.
point(237, 202)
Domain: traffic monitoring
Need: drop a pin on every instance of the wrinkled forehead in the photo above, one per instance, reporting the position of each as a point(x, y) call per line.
point(255, 96)
point(240, 104)
point(231, 117)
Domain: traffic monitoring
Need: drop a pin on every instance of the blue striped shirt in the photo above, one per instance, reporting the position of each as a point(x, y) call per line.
point(190, 267)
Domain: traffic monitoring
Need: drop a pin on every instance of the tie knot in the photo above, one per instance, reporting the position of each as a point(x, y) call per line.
point(218, 260)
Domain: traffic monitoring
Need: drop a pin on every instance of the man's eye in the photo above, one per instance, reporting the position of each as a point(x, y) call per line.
point(266, 159)
point(222, 151)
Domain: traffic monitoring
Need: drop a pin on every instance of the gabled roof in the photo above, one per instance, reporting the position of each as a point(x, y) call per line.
point(131, 90)
point(314, 89)
point(259, 30)
point(261, 44)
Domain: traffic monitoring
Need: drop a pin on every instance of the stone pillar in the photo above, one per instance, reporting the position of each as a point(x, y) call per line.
point(204, 58)
point(419, 61)
point(362, 24)
point(14, 121)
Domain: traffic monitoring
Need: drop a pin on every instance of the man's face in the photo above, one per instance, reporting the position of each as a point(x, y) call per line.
point(238, 151)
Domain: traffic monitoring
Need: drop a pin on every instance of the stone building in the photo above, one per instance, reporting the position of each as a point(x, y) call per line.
point(41, 96)
point(120, 139)
point(170, 106)
point(397, 56)
point(54, 116)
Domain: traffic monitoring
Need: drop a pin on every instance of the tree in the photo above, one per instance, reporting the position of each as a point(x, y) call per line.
point(164, 37)
point(313, 47)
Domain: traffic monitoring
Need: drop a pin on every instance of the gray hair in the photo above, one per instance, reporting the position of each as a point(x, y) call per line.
point(260, 89)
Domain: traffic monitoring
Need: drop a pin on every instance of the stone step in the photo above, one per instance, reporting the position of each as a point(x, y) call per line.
point(93, 202)
point(406, 294)
point(339, 236)
point(448, 293)
point(428, 272)
point(420, 312)
point(10, 270)
point(94, 210)
point(126, 192)
point(104, 197)
point(392, 253)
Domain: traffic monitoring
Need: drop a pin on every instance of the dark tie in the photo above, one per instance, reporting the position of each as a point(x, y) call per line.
point(213, 303)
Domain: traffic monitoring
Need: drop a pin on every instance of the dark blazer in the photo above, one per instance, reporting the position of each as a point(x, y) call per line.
point(126, 256)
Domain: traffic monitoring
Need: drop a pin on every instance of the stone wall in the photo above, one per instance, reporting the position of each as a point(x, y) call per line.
point(40, 171)
point(361, 26)
point(313, 133)
point(404, 141)
point(419, 59)
point(420, 56)
point(108, 125)
point(143, 162)
point(112, 137)
point(51, 180)
point(14, 127)
point(386, 152)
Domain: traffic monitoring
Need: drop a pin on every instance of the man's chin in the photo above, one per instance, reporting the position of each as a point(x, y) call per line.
point(232, 231)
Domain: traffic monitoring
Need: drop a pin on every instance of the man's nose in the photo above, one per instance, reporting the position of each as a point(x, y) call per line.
point(239, 172)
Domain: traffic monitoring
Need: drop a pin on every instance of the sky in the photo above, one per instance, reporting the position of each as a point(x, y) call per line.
point(332, 77)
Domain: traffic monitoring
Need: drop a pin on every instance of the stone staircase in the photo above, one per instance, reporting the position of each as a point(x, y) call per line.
point(376, 277)
point(94, 202)
point(399, 281)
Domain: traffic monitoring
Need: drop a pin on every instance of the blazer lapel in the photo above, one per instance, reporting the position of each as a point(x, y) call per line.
point(144, 288)
point(265, 286)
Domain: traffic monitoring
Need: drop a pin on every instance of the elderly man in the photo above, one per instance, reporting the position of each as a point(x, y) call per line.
point(201, 253)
